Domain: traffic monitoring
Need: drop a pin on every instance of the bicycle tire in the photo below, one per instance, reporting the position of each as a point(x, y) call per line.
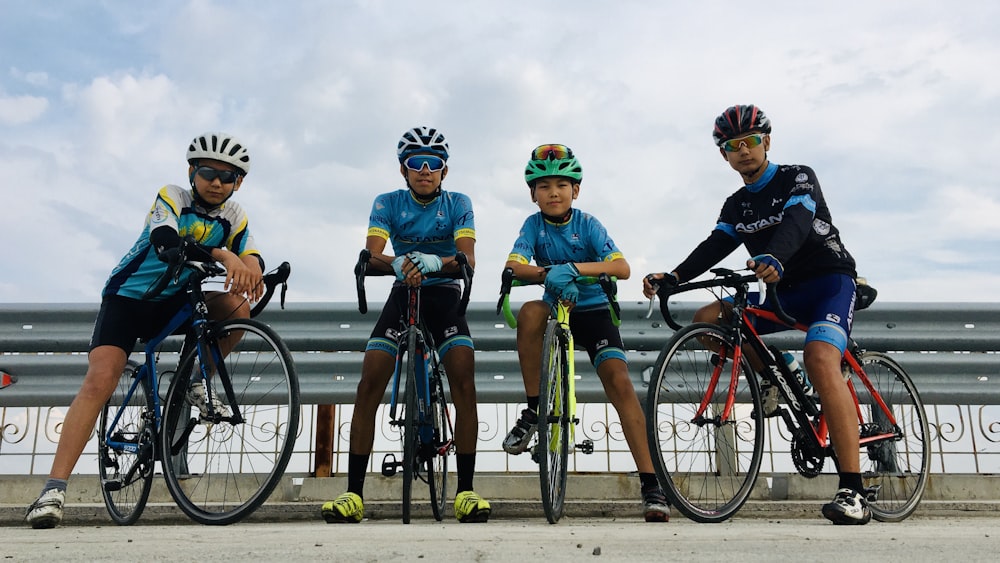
point(437, 466)
point(127, 476)
point(410, 435)
point(899, 467)
point(219, 473)
point(554, 426)
point(708, 467)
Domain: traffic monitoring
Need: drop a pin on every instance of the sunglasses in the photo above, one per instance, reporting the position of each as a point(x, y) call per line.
point(557, 152)
point(418, 161)
point(209, 174)
point(751, 141)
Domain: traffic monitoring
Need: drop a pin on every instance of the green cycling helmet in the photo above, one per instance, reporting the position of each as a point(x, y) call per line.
point(552, 160)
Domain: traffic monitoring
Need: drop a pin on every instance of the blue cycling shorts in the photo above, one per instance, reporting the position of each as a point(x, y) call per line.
point(825, 304)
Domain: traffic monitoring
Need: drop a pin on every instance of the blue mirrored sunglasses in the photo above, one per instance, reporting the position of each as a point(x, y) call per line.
point(209, 174)
point(418, 161)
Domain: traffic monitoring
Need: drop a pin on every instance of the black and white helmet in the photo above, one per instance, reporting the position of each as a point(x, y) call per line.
point(220, 146)
point(422, 140)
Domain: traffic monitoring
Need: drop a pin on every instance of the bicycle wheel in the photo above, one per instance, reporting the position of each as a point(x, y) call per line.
point(706, 459)
point(410, 437)
point(899, 466)
point(220, 472)
point(554, 427)
point(126, 465)
point(438, 450)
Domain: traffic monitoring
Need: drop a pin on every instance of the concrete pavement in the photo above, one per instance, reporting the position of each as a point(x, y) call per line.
point(744, 539)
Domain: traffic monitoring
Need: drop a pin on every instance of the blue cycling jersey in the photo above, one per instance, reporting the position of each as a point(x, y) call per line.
point(431, 228)
point(223, 227)
point(580, 239)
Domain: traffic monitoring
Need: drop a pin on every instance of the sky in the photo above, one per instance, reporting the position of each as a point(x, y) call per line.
point(893, 104)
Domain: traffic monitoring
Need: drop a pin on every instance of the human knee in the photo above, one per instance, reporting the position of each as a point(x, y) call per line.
point(708, 314)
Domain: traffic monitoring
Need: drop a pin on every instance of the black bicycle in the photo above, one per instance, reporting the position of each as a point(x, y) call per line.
point(705, 416)
point(220, 466)
point(425, 420)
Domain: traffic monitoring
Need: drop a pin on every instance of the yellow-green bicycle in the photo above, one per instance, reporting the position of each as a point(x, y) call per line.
point(557, 391)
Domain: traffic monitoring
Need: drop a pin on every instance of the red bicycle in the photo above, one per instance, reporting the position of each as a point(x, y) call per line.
point(705, 416)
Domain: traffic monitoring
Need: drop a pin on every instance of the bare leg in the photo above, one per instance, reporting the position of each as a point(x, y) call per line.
point(620, 391)
point(823, 366)
point(376, 371)
point(105, 365)
point(459, 364)
point(531, 322)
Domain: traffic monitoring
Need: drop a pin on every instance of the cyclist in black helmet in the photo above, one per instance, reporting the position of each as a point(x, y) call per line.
point(782, 219)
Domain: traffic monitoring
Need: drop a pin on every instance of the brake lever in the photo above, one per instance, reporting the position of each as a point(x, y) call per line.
point(652, 298)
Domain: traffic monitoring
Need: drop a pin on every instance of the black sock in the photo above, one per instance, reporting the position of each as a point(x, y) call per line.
point(357, 467)
point(533, 403)
point(852, 481)
point(466, 467)
point(648, 481)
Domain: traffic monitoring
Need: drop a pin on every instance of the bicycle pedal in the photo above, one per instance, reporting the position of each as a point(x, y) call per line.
point(389, 468)
point(536, 454)
point(871, 493)
point(586, 447)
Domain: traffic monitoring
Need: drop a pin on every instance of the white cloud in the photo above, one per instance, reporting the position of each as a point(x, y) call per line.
point(18, 110)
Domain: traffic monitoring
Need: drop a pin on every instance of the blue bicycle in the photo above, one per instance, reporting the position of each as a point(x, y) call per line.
point(219, 465)
point(427, 431)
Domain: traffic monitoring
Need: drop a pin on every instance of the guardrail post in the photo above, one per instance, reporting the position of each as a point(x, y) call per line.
point(324, 440)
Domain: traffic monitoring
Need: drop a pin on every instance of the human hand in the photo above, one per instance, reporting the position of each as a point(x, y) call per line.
point(559, 276)
point(426, 263)
point(397, 266)
point(653, 282)
point(767, 268)
point(241, 278)
point(570, 293)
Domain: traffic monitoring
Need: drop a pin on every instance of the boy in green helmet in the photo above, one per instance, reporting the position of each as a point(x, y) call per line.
point(566, 243)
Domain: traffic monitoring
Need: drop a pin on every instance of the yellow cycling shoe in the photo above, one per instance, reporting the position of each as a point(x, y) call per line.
point(348, 507)
point(470, 507)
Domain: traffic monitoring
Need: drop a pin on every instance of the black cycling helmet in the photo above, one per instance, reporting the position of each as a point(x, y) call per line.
point(739, 121)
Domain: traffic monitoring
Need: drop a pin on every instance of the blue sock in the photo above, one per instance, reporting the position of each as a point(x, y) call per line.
point(55, 484)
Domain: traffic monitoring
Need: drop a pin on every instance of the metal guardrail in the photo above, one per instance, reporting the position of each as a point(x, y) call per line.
point(950, 349)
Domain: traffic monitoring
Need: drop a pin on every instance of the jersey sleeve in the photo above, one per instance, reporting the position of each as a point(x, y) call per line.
point(524, 247)
point(464, 217)
point(379, 223)
point(721, 242)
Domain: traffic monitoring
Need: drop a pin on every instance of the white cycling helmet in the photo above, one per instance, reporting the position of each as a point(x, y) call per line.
point(422, 140)
point(220, 146)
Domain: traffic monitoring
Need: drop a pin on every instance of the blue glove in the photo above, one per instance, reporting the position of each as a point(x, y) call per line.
point(397, 266)
point(426, 263)
point(768, 260)
point(570, 293)
point(558, 277)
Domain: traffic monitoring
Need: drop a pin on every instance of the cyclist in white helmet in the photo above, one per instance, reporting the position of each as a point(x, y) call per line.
point(217, 165)
point(427, 226)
